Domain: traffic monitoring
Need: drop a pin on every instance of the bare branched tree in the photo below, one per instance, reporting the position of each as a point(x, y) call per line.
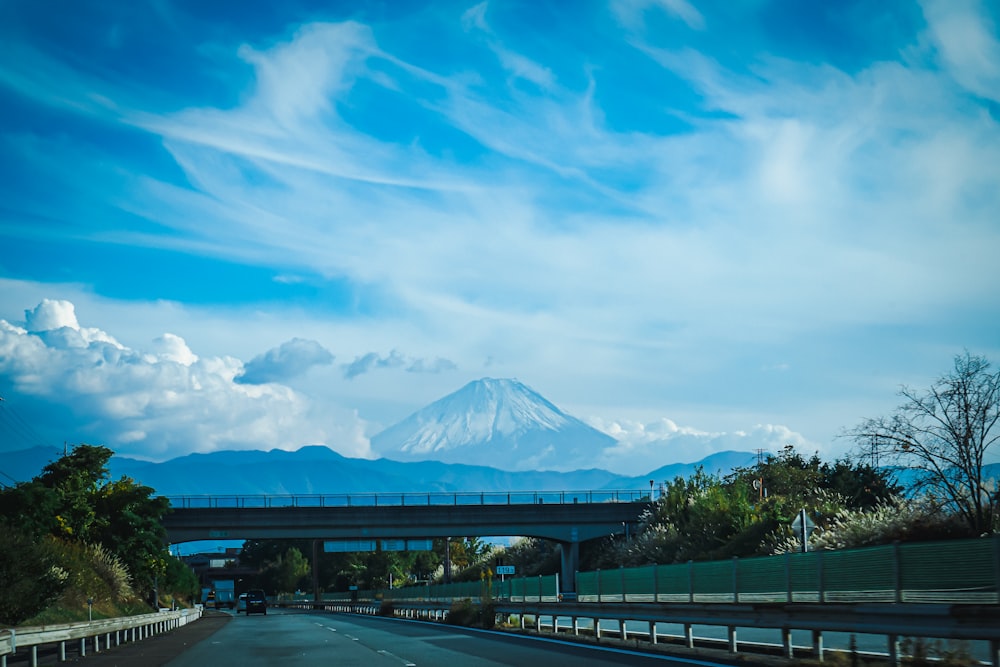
point(944, 434)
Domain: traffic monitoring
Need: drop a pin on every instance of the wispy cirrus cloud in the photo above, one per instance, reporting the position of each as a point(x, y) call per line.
point(374, 361)
point(632, 216)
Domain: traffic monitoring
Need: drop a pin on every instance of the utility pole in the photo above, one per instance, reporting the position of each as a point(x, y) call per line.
point(447, 560)
point(315, 570)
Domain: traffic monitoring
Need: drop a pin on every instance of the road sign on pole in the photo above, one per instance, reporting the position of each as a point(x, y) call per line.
point(802, 526)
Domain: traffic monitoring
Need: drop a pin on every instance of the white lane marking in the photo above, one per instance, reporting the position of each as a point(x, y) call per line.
point(406, 662)
point(351, 637)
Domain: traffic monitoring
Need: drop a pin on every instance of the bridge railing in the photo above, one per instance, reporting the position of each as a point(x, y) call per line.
point(409, 499)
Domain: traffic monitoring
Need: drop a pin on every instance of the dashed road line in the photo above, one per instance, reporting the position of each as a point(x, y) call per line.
point(405, 662)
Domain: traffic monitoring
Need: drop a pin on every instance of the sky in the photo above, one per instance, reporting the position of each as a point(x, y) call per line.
point(696, 226)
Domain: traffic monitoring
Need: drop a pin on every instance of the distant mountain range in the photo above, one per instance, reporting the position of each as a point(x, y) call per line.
point(320, 470)
point(490, 435)
point(494, 422)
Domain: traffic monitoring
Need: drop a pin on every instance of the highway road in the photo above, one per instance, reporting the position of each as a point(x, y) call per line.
point(317, 638)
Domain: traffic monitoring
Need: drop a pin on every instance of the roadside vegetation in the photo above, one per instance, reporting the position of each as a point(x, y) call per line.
point(917, 474)
point(74, 544)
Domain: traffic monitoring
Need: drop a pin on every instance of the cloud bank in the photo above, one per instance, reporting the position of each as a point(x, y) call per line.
point(166, 401)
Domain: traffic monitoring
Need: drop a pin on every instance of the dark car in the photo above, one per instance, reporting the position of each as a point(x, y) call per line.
point(256, 602)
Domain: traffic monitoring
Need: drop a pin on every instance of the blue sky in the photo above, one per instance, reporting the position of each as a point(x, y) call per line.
point(696, 226)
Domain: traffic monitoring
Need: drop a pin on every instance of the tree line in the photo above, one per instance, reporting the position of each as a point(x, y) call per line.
point(74, 538)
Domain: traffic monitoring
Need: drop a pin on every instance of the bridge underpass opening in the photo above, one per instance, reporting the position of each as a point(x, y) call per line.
point(567, 524)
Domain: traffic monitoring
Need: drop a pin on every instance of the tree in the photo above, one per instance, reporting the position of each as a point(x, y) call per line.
point(127, 520)
point(287, 573)
point(30, 575)
point(72, 500)
point(944, 435)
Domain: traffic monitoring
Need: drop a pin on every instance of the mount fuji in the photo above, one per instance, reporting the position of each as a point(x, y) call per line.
point(494, 422)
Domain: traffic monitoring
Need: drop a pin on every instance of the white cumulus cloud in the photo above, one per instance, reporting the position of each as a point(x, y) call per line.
point(160, 403)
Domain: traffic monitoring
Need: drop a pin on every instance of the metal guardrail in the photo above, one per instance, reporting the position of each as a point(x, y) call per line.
point(409, 499)
point(140, 627)
point(892, 621)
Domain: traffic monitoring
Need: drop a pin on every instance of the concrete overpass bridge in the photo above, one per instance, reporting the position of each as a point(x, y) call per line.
point(567, 517)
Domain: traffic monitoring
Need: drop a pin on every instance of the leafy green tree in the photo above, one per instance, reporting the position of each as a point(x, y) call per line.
point(76, 478)
point(287, 573)
point(862, 486)
point(31, 577)
point(180, 579)
point(72, 499)
point(127, 520)
point(747, 513)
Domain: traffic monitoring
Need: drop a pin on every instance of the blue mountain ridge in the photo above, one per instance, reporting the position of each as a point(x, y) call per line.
point(317, 469)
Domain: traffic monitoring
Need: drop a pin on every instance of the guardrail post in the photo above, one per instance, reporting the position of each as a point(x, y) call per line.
point(894, 650)
point(820, 575)
point(733, 648)
point(996, 577)
point(788, 575)
point(690, 581)
point(818, 644)
point(897, 573)
point(786, 641)
point(736, 580)
point(598, 584)
point(689, 635)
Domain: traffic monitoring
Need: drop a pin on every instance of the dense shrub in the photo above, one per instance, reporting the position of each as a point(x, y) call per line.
point(472, 615)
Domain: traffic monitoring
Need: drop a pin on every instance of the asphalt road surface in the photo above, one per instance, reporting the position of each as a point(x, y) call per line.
point(317, 638)
point(301, 638)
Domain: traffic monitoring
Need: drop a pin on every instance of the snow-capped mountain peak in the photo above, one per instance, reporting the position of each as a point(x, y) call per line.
point(498, 422)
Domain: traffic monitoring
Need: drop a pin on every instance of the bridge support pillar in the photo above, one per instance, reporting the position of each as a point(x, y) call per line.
point(569, 563)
